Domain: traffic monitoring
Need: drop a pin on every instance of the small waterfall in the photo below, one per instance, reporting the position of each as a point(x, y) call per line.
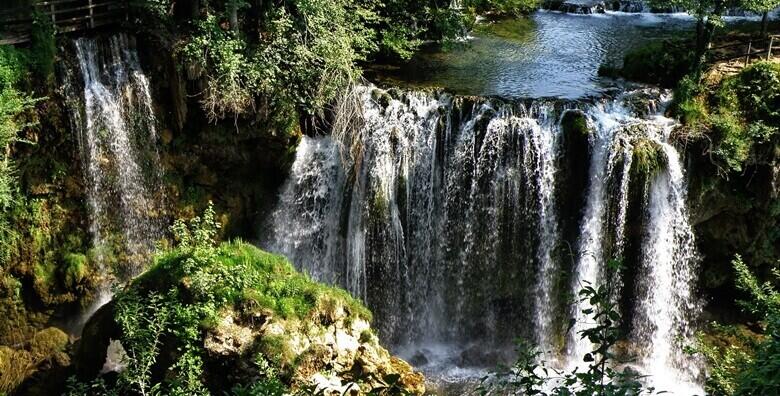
point(112, 112)
point(668, 307)
point(445, 215)
point(610, 163)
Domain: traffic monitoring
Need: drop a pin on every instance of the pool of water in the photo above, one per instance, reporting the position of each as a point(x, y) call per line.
point(549, 54)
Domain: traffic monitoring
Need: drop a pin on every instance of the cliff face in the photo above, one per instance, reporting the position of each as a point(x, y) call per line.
point(736, 213)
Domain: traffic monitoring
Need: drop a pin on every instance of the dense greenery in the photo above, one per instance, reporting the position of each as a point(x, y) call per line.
point(13, 105)
point(743, 363)
point(741, 111)
point(295, 57)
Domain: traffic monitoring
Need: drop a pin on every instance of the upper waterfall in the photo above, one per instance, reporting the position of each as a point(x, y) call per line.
point(465, 222)
point(112, 112)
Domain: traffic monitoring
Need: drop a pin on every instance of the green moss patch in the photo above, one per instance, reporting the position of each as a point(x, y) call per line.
point(648, 158)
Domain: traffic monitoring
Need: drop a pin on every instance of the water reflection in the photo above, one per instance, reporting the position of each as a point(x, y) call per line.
point(548, 55)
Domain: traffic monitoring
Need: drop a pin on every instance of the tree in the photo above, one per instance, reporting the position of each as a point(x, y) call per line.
point(708, 14)
point(763, 7)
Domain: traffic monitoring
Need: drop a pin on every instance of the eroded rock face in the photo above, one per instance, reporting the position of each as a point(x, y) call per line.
point(334, 352)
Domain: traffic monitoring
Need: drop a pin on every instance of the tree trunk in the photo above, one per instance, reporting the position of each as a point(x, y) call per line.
point(699, 34)
point(233, 9)
point(764, 23)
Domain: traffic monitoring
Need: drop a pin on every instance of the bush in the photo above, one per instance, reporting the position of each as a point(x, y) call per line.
point(742, 112)
point(663, 63)
point(743, 364)
point(505, 7)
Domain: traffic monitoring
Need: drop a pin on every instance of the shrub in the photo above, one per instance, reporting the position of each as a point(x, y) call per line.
point(663, 63)
point(506, 7)
point(741, 363)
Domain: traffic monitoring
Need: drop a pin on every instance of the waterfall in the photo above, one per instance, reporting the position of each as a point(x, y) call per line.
point(668, 306)
point(449, 216)
point(112, 112)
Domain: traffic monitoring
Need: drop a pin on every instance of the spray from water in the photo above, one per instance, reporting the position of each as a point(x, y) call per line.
point(112, 112)
point(442, 213)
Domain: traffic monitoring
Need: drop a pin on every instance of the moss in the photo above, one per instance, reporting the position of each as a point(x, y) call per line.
point(575, 123)
point(15, 366)
point(648, 158)
point(245, 276)
point(76, 268)
point(277, 351)
point(47, 343)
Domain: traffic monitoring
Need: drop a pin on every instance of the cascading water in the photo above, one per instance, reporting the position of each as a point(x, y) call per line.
point(445, 194)
point(449, 216)
point(666, 305)
point(112, 111)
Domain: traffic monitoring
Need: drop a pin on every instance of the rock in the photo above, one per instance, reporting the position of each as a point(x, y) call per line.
point(419, 359)
point(477, 356)
point(583, 7)
point(166, 136)
point(381, 97)
point(329, 346)
point(229, 338)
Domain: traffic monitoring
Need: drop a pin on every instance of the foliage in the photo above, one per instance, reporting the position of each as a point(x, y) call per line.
point(298, 56)
point(142, 321)
point(13, 105)
point(663, 63)
point(760, 6)
point(43, 47)
point(530, 374)
point(505, 7)
point(742, 363)
point(727, 350)
point(741, 112)
point(305, 55)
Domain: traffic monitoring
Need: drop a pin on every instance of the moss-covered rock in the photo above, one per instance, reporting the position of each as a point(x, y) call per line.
point(648, 158)
point(254, 309)
point(44, 350)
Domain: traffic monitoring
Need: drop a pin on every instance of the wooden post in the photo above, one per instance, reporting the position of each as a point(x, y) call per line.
point(769, 50)
point(750, 48)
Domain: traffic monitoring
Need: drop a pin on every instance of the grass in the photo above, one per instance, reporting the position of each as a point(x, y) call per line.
point(243, 276)
point(649, 158)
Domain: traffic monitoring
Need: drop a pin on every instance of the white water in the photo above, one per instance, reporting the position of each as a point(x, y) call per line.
point(441, 213)
point(668, 308)
point(112, 111)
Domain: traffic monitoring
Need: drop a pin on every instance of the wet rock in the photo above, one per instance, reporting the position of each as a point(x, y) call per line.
point(419, 359)
point(583, 7)
point(478, 356)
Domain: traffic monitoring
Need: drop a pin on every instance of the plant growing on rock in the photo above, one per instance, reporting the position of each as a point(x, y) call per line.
point(531, 375)
point(205, 307)
point(746, 364)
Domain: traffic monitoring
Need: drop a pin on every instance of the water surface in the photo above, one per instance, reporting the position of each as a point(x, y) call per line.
point(550, 54)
